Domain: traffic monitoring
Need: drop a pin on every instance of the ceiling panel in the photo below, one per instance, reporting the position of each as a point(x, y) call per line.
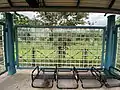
point(116, 5)
point(94, 3)
point(19, 3)
point(60, 2)
point(4, 5)
point(3, 1)
point(63, 5)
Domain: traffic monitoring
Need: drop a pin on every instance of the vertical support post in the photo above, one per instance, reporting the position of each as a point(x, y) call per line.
point(5, 51)
point(109, 42)
point(59, 55)
point(10, 46)
point(16, 42)
point(103, 49)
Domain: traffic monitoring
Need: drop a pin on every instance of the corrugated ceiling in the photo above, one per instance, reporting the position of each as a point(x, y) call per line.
point(105, 6)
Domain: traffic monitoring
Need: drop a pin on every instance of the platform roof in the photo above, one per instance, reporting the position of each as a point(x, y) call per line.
point(100, 6)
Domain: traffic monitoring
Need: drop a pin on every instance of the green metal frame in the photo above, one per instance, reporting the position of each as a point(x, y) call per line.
point(86, 27)
point(89, 27)
point(109, 37)
point(103, 50)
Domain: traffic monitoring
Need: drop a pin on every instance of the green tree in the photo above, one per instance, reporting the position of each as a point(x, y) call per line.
point(18, 19)
point(62, 18)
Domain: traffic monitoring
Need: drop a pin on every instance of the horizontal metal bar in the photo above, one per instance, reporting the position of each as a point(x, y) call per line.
point(33, 3)
point(74, 27)
point(46, 59)
point(43, 2)
point(58, 68)
point(10, 3)
point(78, 3)
point(111, 3)
point(25, 67)
point(61, 9)
point(72, 68)
point(46, 62)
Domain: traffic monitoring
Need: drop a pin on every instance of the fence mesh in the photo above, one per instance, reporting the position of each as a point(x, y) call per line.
point(118, 49)
point(65, 47)
point(2, 60)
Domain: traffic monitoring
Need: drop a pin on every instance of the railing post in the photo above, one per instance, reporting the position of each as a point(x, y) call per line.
point(5, 51)
point(16, 46)
point(10, 44)
point(110, 42)
point(103, 49)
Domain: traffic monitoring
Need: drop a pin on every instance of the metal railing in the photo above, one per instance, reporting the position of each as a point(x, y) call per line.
point(68, 46)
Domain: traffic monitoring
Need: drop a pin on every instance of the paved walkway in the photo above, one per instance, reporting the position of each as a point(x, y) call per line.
point(22, 81)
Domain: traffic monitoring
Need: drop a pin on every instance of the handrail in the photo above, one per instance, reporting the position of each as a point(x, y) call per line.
point(90, 27)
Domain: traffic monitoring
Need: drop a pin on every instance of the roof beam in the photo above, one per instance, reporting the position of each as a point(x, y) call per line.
point(33, 3)
point(43, 1)
point(10, 3)
point(111, 3)
point(78, 3)
point(62, 9)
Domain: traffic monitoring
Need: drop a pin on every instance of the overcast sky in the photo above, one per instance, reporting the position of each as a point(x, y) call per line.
point(97, 18)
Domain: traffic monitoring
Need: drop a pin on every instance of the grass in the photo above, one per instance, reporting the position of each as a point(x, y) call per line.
point(48, 53)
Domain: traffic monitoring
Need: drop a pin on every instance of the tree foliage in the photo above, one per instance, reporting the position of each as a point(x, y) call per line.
point(50, 19)
point(18, 19)
point(62, 18)
point(118, 20)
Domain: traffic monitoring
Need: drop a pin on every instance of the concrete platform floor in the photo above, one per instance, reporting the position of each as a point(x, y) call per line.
point(22, 81)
